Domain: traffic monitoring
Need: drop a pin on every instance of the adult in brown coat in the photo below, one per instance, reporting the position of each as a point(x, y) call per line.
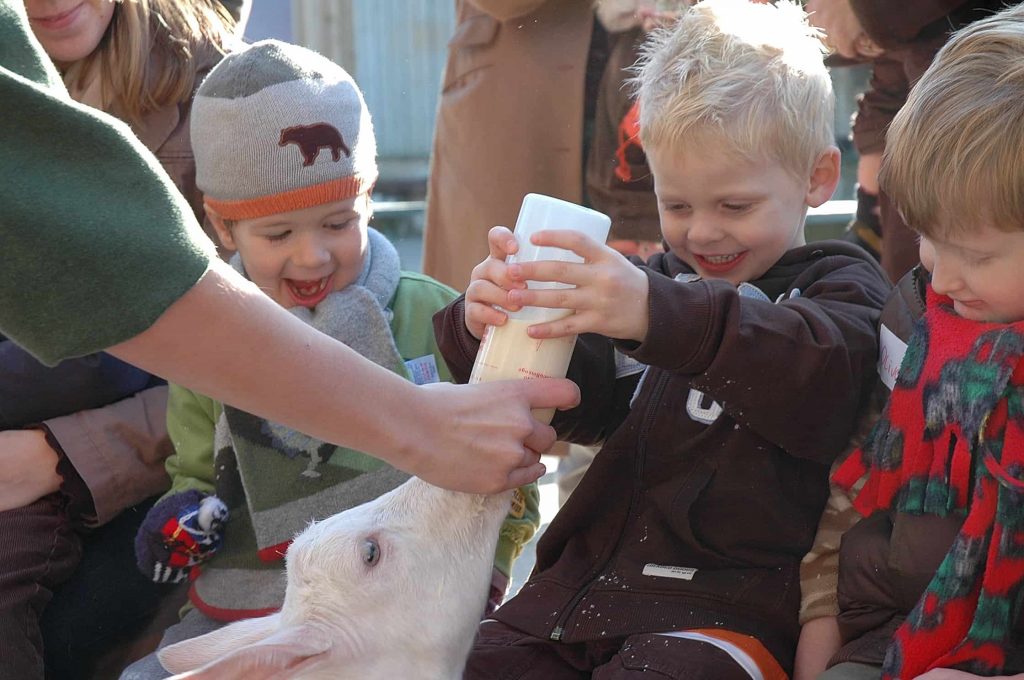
point(509, 122)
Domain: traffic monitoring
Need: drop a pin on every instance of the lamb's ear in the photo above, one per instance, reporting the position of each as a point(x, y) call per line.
point(198, 651)
point(276, 657)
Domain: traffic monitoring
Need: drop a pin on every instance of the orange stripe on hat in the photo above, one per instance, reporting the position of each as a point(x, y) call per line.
point(296, 199)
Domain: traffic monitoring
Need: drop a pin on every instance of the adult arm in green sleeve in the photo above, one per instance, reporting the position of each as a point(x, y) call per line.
point(95, 237)
point(101, 251)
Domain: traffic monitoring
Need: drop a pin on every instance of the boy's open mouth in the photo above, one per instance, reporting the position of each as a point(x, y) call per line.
point(720, 263)
point(309, 293)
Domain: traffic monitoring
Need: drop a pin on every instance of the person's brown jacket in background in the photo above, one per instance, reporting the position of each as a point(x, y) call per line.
point(509, 123)
point(911, 33)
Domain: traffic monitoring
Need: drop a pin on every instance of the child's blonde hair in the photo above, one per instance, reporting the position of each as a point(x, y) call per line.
point(954, 155)
point(749, 75)
point(148, 58)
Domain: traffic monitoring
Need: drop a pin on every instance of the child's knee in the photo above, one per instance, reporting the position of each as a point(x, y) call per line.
point(661, 656)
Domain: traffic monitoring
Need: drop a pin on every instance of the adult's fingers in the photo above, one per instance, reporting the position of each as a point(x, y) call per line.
point(540, 439)
point(530, 458)
point(524, 475)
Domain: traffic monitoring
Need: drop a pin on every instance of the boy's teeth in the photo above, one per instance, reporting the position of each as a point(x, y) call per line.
point(719, 259)
point(313, 288)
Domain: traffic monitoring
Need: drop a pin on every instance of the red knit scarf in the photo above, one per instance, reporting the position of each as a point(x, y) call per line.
point(951, 440)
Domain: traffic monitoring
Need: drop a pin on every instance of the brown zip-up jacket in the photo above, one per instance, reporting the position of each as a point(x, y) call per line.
point(707, 492)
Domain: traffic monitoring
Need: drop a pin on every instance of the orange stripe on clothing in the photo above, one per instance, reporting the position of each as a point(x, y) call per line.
point(226, 615)
point(296, 199)
point(770, 668)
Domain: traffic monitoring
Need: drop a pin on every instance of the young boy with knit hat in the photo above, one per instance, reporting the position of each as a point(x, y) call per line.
point(286, 159)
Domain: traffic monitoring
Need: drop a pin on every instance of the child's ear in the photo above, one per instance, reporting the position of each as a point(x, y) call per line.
point(223, 233)
point(824, 177)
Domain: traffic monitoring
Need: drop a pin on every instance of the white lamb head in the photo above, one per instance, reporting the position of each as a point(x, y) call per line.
point(393, 588)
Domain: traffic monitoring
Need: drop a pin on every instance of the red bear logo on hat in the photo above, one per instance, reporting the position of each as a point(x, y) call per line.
point(311, 138)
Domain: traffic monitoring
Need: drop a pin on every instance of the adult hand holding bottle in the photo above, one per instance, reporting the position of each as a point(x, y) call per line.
point(476, 438)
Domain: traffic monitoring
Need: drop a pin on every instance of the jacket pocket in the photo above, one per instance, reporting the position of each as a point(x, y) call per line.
point(466, 50)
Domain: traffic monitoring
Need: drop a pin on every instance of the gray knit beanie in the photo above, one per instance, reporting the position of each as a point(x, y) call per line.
point(277, 127)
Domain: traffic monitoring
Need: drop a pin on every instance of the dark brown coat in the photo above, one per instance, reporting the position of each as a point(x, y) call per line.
point(720, 462)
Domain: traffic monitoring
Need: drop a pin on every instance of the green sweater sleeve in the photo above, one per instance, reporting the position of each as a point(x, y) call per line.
point(96, 240)
point(191, 420)
point(518, 528)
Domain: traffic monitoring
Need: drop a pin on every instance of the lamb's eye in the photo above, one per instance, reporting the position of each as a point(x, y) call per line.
point(371, 552)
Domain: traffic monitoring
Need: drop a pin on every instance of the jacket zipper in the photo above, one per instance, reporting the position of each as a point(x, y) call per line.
point(649, 415)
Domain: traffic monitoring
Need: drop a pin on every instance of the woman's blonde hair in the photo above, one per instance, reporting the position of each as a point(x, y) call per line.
point(150, 54)
point(747, 76)
point(954, 154)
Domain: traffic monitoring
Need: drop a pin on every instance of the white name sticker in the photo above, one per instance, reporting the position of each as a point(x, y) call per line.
point(423, 370)
point(684, 573)
point(890, 355)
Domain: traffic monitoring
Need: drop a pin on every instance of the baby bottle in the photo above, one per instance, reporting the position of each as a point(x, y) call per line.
point(507, 352)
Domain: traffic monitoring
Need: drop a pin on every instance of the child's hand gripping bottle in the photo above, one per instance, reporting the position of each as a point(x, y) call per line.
point(507, 352)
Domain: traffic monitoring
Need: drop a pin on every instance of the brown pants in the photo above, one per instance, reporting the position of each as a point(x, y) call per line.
point(504, 653)
point(38, 551)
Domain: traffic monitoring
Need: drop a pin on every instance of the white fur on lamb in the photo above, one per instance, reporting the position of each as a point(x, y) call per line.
point(409, 610)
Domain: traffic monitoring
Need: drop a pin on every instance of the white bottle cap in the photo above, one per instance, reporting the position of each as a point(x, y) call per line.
point(540, 213)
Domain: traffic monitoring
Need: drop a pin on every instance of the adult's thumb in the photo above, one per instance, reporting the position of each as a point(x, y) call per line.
point(559, 393)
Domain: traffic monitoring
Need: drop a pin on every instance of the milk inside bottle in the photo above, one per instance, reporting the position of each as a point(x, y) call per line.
point(507, 352)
